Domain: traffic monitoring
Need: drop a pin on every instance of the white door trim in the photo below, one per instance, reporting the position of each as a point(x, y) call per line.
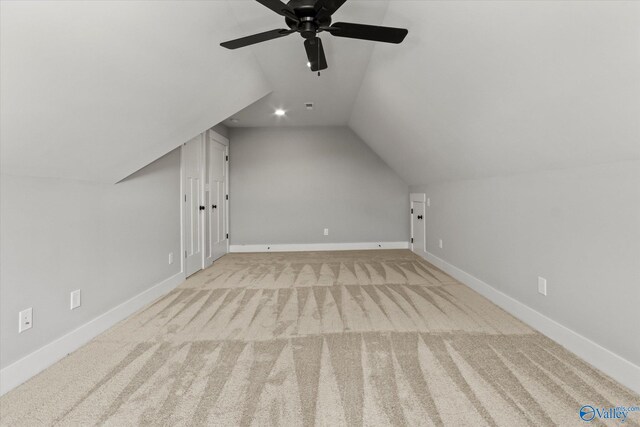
point(183, 267)
point(202, 217)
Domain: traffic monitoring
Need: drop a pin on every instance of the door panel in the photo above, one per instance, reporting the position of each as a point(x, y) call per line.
point(218, 187)
point(207, 227)
point(418, 228)
point(192, 197)
point(213, 212)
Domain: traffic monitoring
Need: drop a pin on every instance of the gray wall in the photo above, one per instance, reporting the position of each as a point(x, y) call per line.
point(58, 235)
point(288, 184)
point(578, 228)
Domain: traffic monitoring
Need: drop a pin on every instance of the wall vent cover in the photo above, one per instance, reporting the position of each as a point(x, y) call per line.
point(308, 105)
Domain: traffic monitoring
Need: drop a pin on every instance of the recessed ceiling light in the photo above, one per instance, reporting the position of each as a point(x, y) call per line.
point(280, 112)
point(234, 120)
point(309, 64)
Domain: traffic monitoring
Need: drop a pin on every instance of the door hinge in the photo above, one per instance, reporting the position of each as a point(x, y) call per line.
point(227, 158)
point(411, 210)
point(185, 254)
point(227, 235)
point(185, 198)
point(412, 240)
point(227, 197)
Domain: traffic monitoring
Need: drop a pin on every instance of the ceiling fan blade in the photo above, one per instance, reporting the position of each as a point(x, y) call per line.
point(368, 32)
point(315, 54)
point(280, 8)
point(255, 38)
point(326, 8)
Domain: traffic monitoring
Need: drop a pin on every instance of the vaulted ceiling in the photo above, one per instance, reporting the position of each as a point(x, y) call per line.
point(96, 90)
point(482, 89)
point(284, 63)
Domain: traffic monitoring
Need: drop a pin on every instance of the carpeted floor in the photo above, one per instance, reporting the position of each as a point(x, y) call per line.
point(325, 338)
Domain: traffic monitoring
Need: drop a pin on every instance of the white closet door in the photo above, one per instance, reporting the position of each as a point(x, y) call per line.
point(418, 243)
point(418, 223)
point(218, 170)
point(193, 204)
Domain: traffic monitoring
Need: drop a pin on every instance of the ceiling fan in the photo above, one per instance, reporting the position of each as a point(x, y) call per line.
point(311, 17)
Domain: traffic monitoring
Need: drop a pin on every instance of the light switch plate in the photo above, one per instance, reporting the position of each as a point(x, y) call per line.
point(326, 231)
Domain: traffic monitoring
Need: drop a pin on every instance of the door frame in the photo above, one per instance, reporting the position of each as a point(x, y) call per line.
point(204, 139)
point(418, 198)
point(212, 135)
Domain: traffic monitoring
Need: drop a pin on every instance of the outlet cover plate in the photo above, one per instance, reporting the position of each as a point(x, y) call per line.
point(75, 299)
point(25, 320)
point(542, 286)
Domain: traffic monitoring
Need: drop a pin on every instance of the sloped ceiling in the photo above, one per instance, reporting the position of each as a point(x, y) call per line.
point(494, 88)
point(284, 60)
point(95, 90)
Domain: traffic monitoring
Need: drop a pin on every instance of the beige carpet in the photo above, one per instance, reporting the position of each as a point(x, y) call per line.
point(326, 338)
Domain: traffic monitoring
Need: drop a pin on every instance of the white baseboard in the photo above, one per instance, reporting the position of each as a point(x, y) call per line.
point(618, 368)
point(33, 363)
point(608, 362)
point(304, 247)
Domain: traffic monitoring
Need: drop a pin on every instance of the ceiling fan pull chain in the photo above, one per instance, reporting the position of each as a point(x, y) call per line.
point(318, 44)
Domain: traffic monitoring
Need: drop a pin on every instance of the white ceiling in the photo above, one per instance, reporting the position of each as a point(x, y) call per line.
point(284, 60)
point(95, 90)
point(484, 89)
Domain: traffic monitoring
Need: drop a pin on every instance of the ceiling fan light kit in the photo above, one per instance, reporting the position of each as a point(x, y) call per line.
point(309, 18)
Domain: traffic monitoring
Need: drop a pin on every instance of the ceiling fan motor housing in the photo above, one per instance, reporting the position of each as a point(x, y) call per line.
point(309, 23)
point(307, 27)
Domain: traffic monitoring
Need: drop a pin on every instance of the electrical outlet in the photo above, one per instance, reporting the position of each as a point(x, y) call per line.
point(428, 201)
point(440, 243)
point(542, 285)
point(25, 320)
point(170, 257)
point(75, 299)
point(326, 231)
